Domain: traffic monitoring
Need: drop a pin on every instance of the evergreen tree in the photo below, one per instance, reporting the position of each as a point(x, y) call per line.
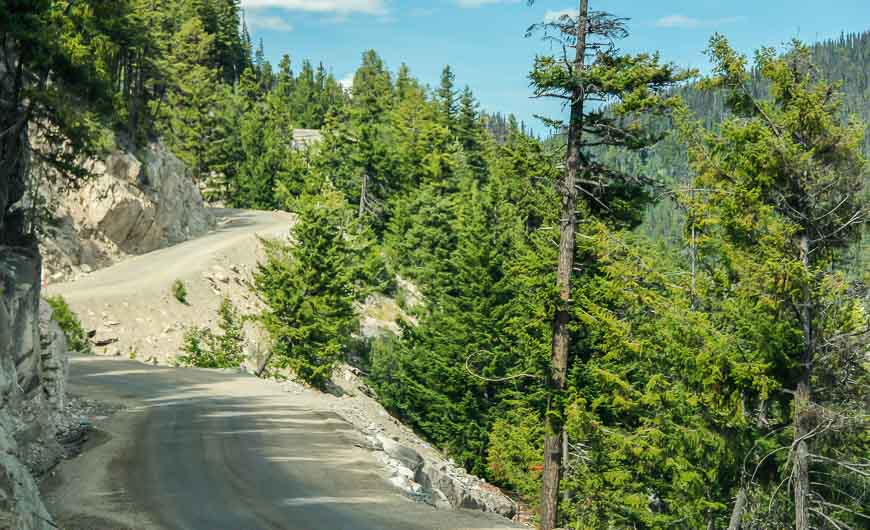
point(308, 291)
point(192, 97)
point(54, 86)
point(372, 95)
point(447, 97)
point(637, 84)
point(405, 84)
point(785, 201)
point(470, 133)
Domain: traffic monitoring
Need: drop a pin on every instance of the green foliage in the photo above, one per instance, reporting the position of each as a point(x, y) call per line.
point(516, 456)
point(56, 86)
point(307, 286)
point(204, 348)
point(179, 291)
point(785, 201)
point(686, 342)
point(191, 120)
point(76, 338)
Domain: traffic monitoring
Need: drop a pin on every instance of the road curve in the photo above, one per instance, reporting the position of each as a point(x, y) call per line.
point(211, 450)
point(201, 449)
point(159, 268)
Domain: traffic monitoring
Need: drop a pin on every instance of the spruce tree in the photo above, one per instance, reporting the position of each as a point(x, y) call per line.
point(447, 97)
point(307, 287)
point(469, 132)
point(784, 200)
point(191, 98)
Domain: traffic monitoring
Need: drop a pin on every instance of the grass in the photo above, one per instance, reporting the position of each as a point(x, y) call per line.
point(179, 291)
point(76, 338)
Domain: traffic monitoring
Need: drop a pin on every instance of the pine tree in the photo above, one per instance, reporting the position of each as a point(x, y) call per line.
point(405, 84)
point(785, 180)
point(372, 96)
point(54, 83)
point(447, 97)
point(638, 83)
point(470, 133)
point(308, 291)
point(191, 99)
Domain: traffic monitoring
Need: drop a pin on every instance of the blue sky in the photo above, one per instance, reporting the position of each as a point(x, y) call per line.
point(483, 40)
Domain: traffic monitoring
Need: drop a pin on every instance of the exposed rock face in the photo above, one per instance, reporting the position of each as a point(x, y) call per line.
point(33, 370)
point(436, 481)
point(133, 204)
point(463, 490)
point(413, 465)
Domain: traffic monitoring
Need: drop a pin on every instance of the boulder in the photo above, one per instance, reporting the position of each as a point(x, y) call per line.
point(409, 458)
point(462, 490)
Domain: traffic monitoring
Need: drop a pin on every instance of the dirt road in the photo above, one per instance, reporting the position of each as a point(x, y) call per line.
point(210, 450)
point(200, 449)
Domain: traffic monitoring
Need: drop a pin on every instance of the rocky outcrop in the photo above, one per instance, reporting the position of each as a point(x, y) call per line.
point(414, 466)
point(33, 370)
point(437, 481)
point(132, 204)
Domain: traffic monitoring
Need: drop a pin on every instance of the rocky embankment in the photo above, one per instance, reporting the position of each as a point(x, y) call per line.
point(412, 465)
point(133, 203)
point(33, 372)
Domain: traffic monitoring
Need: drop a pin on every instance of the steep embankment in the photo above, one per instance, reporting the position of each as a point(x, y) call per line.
point(33, 370)
point(131, 307)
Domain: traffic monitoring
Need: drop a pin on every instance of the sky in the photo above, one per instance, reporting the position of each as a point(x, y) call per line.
point(484, 40)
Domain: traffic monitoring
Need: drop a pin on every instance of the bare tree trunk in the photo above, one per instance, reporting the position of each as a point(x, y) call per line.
point(802, 416)
point(737, 513)
point(552, 473)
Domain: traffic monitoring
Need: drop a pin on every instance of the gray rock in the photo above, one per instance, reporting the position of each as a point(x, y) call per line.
point(463, 491)
point(32, 380)
point(410, 458)
point(132, 204)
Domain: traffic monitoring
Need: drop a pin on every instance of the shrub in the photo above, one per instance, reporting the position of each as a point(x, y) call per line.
point(204, 348)
point(76, 338)
point(179, 291)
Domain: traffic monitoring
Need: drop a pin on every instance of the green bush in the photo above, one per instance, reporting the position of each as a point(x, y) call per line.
point(179, 291)
point(76, 338)
point(204, 348)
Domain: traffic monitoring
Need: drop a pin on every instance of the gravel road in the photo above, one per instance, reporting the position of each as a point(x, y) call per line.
point(210, 450)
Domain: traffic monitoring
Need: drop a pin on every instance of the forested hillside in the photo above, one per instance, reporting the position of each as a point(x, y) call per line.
point(713, 321)
point(842, 61)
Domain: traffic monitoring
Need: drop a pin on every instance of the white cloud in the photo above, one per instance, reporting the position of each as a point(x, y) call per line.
point(478, 3)
point(346, 82)
point(554, 16)
point(684, 22)
point(371, 7)
point(256, 21)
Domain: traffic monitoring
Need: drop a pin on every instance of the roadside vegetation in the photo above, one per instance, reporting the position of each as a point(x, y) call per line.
point(224, 348)
point(76, 337)
point(179, 291)
point(655, 318)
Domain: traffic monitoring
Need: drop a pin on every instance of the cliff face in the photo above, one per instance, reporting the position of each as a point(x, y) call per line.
point(33, 371)
point(133, 203)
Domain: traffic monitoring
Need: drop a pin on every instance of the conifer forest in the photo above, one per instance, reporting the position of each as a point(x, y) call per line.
point(654, 315)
